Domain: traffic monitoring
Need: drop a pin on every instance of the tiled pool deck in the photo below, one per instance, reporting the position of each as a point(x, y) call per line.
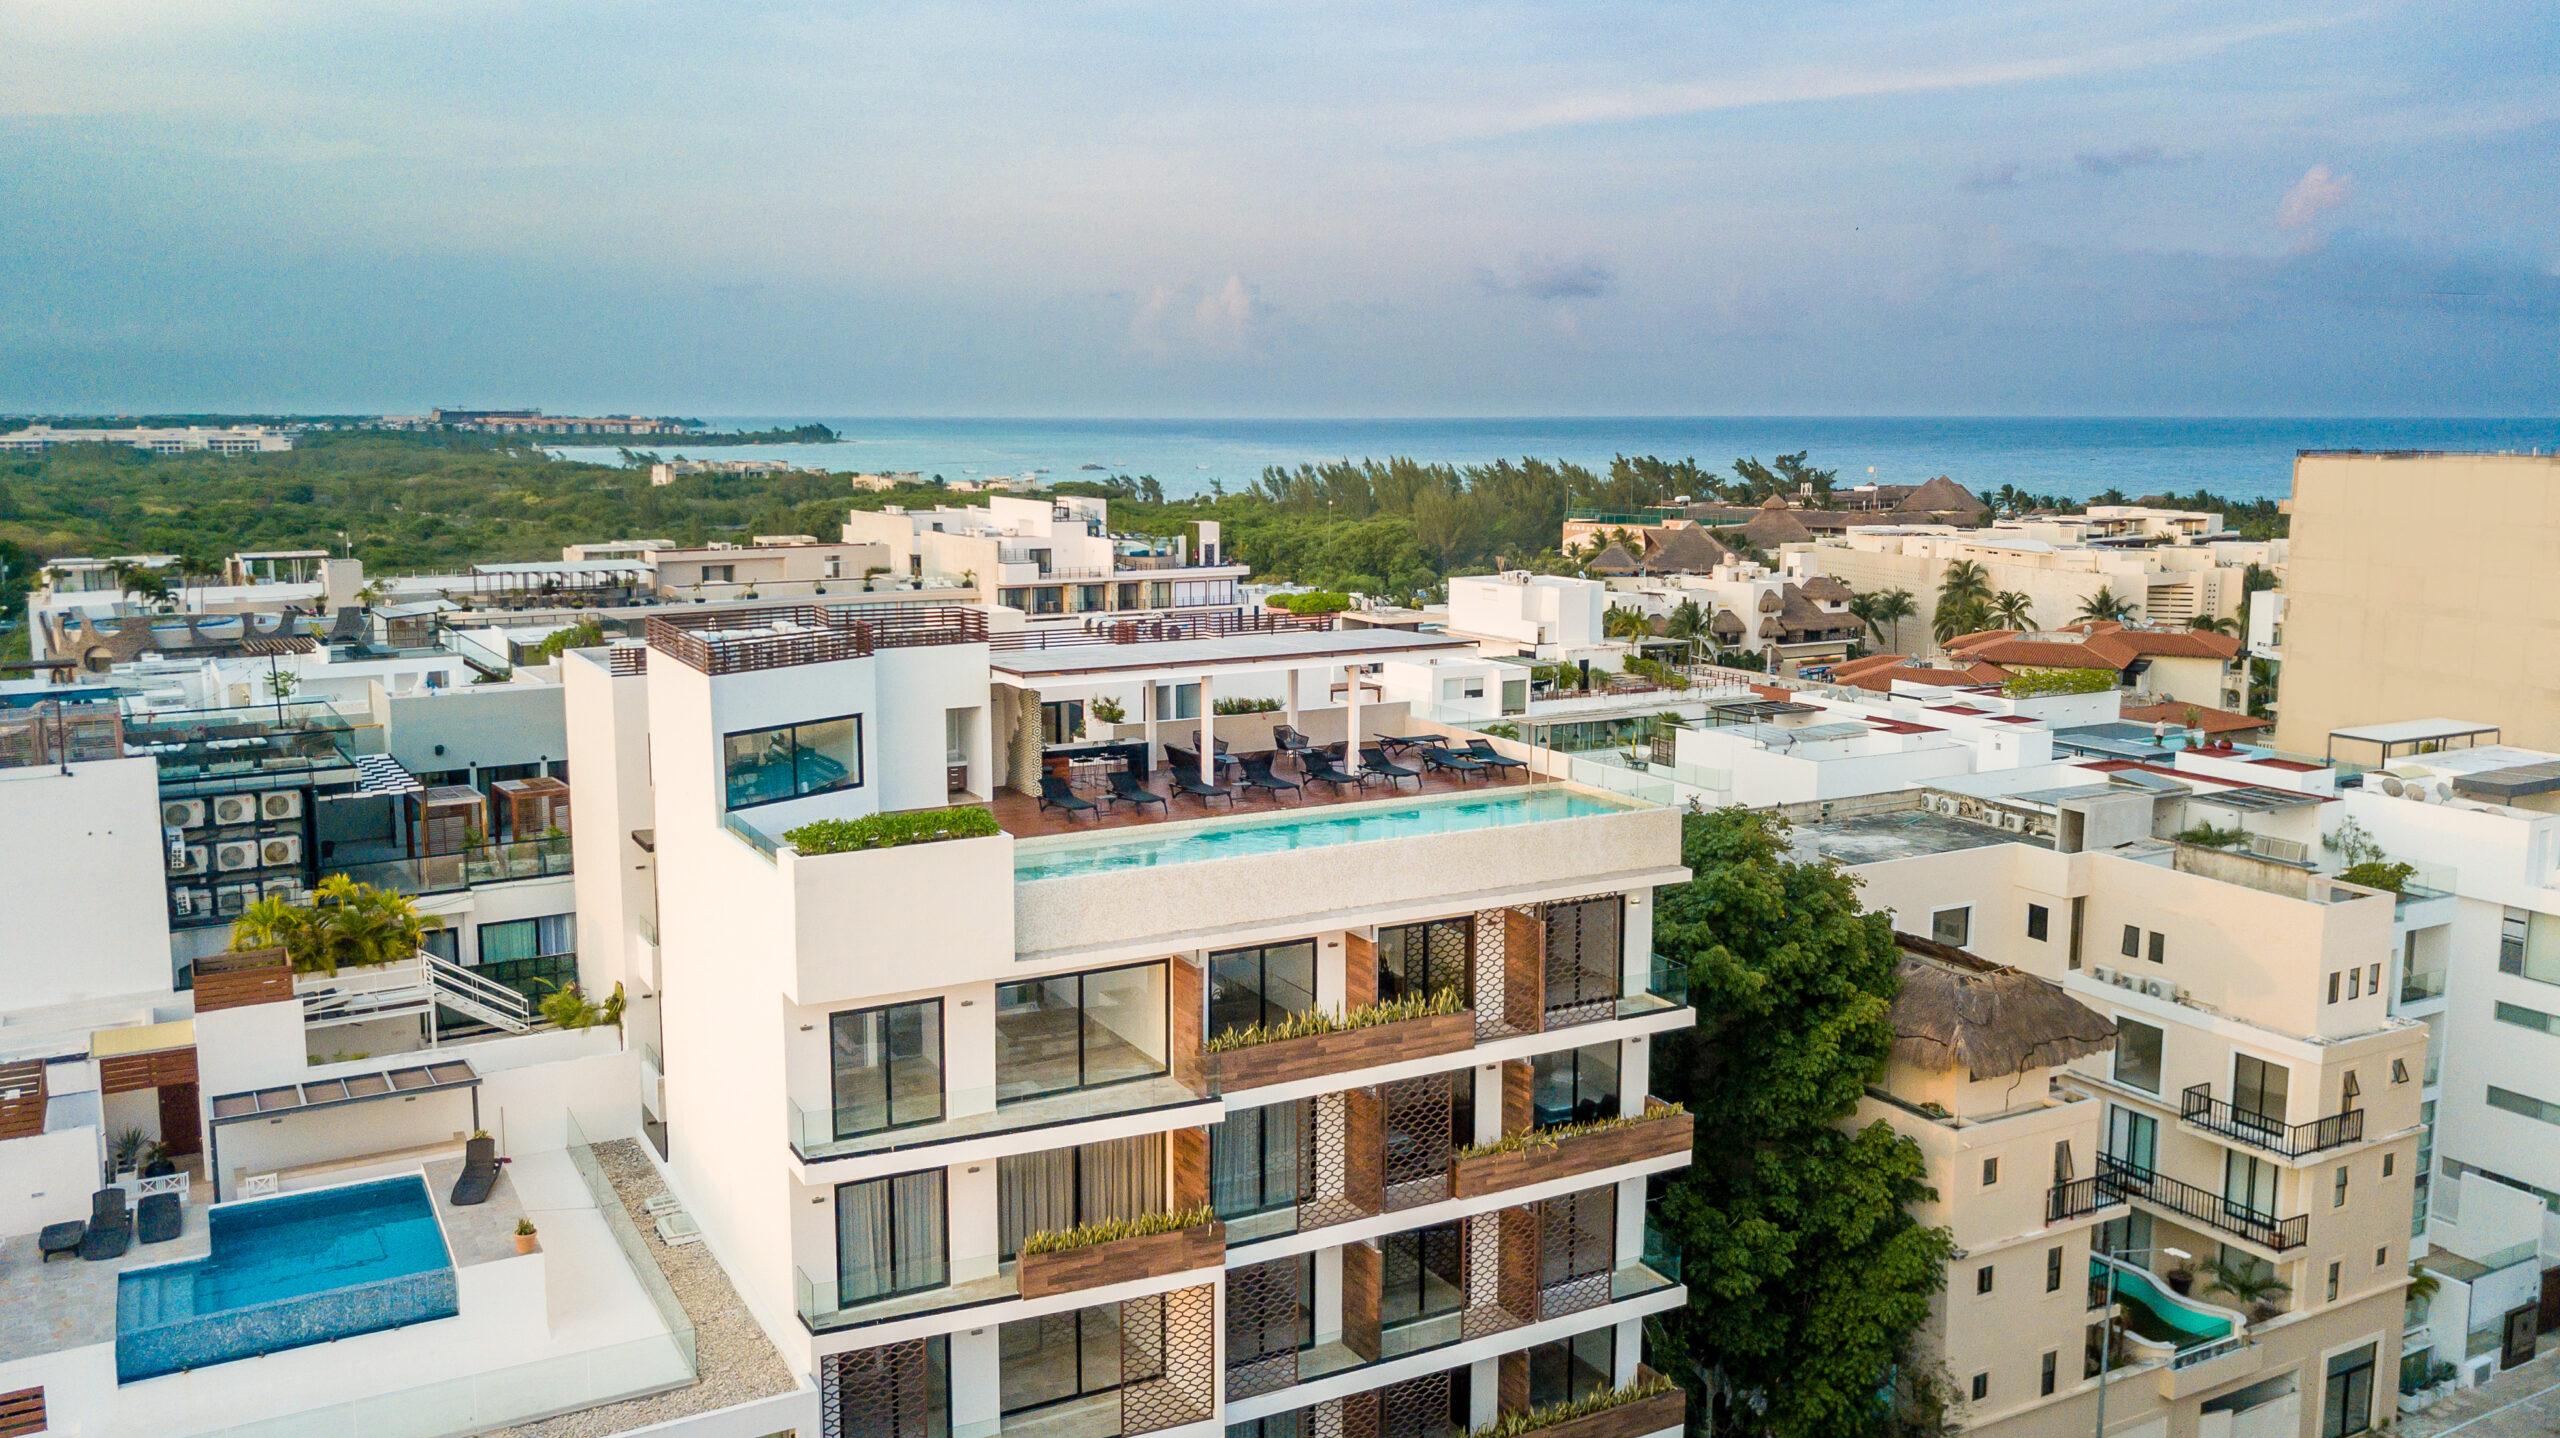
point(71, 1303)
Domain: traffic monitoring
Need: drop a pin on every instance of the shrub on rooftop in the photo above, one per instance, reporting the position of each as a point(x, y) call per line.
point(890, 831)
point(2059, 681)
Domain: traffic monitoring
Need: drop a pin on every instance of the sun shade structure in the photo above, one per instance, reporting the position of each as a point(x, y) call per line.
point(1956, 1010)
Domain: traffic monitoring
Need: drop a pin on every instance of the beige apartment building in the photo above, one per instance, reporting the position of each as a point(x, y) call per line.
point(2381, 626)
point(2232, 1176)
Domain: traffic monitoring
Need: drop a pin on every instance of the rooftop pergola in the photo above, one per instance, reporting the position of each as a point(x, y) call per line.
point(1084, 669)
point(2403, 737)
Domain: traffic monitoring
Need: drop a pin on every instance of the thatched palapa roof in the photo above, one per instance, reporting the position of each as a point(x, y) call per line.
point(1992, 1020)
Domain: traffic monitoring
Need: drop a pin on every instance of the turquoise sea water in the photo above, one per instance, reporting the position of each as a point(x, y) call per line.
point(1308, 829)
point(2071, 457)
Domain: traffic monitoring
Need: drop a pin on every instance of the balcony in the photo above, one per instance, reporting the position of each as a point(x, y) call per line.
point(2419, 985)
point(2185, 1200)
point(465, 869)
point(741, 641)
point(1347, 1050)
point(2077, 1198)
point(976, 1114)
point(2273, 1135)
point(1660, 1132)
point(1124, 1260)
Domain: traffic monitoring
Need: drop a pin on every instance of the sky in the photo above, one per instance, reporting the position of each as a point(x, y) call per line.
point(1827, 207)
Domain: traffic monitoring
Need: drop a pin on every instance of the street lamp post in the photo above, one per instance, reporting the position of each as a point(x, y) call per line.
point(2107, 1323)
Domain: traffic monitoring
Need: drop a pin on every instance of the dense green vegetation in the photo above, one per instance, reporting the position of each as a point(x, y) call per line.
point(1807, 1274)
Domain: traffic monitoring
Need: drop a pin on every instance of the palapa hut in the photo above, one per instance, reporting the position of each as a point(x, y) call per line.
point(1958, 1013)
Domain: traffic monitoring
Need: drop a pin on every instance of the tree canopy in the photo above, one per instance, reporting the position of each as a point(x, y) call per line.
point(1807, 1274)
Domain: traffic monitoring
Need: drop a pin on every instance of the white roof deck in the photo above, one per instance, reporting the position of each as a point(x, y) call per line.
point(2413, 731)
point(1219, 654)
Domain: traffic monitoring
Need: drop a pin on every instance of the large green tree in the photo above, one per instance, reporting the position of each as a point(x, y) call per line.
point(1807, 1275)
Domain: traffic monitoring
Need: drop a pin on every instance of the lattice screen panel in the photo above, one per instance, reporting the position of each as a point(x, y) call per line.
point(1355, 1416)
point(1577, 1248)
point(1416, 1408)
point(1262, 1328)
point(1490, 1023)
point(1338, 1166)
point(1168, 1359)
point(1418, 1147)
point(1594, 996)
point(1485, 1315)
point(884, 1392)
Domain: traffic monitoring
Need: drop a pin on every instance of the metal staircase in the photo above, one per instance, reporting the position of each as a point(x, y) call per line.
point(354, 996)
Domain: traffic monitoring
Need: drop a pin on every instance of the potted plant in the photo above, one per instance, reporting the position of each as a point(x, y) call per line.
point(524, 1235)
point(2182, 1280)
point(2253, 1286)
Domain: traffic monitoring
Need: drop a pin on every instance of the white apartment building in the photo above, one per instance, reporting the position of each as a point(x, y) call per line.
point(884, 1081)
point(2232, 1177)
point(190, 439)
point(1054, 559)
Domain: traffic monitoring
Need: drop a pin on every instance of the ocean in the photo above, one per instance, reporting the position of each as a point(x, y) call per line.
point(2075, 458)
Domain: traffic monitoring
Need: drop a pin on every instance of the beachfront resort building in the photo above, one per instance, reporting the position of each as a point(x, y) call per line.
point(1055, 559)
point(2206, 1219)
point(183, 439)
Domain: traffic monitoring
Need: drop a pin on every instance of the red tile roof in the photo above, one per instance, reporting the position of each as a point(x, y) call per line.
point(2210, 720)
point(2097, 645)
point(1877, 672)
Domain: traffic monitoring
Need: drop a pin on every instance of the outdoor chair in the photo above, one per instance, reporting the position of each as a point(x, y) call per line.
point(1188, 782)
point(1450, 761)
point(1406, 743)
point(1125, 789)
point(1375, 757)
point(61, 1240)
point(158, 1217)
point(1258, 775)
point(110, 1226)
point(1483, 752)
point(1322, 770)
point(479, 1173)
point(1288, 740)
point(1054, 794)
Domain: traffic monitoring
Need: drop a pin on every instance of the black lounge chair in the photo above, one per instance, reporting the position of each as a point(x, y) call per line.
point(1375, 757)
point(1322, 770)
point(1258, 775)
point(110, 1226)
point(1054, 794)
point(158, 1217)
point(1288, 741)
point(1407, 743)
point(479, 1173)
point(1450, 761)
point(1187, 781)
point(1483, 752)
point(1125, 789)
point(61, 1240)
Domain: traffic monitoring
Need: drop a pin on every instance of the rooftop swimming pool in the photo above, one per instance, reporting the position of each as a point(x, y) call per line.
point(288, 1271)
point(2157, 1312)
point(1312, 828)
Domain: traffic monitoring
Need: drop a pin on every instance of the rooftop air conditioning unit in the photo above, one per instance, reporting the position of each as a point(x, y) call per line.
point(238, 854)
point(289, 890)
point(235, 809)
point(232, 898)
point(182, 814)
point(279, 850)
point(281, 804)
point(2123, 979)
point(2155, 988)
point(182, 903)
point(2101, 973)
point(192, 859)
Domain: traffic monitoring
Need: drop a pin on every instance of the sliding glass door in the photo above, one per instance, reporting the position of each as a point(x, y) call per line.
point(1062, 1188)
point(888, 1067)
point(1078, 1031)
point(891, 1237)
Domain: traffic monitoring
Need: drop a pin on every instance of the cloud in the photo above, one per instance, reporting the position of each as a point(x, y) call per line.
point(1187, 319)
point(1549, 277)
point(2116, 162)
point(2002, 176)
point(2315, 194)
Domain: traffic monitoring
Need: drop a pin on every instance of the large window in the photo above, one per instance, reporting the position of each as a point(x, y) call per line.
point(2259, 1089)
point(1423, 1275)
point(1060, 1357)
point(1584, 955)
point(1079, 1031)
point(1415, 960)
point(2346, 1402)
point(1253, 1159)
point(528, 938)
point(2530, 946)
point(890, 1237)
point(1260, 986)
point(1563, 1370)
point(1059, 1188)
point(2137, 1054)
point(2133, 1138)
point(789, 761)
point(1575, 1085)
point(888, 1067)
point(1061, 721)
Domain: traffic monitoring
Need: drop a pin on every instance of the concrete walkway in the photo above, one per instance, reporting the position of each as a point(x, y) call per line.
point(2522, 1402)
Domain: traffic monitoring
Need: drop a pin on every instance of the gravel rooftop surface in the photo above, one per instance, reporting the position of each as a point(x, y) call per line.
point(736, 1363)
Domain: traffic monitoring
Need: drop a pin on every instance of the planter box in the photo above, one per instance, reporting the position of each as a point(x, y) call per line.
point(1125, 1261)
point(1627, 1420)
point(1317, 1055)
point(1566, 1157)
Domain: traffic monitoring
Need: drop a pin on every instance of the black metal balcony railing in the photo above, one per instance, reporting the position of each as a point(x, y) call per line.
point(2272, 1134)
point(2075, 1198)
point(2129, 1180)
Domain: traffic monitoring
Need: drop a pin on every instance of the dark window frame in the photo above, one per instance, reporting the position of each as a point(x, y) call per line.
point(942, 1221)
point(1396, 982)
point(2039, 922)
point(941, 1072)
point(1261, 960)
point(854, 777)
point(1084, 1082)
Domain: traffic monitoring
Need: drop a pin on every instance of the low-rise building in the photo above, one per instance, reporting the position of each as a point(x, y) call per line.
point(1056, 561)
point(187, 439)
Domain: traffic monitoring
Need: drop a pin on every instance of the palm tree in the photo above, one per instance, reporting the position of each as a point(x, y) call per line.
point(2013, 610)
point(1687, 620)
point(2254, 1284)
point(1624, 623)
point(2104, 605)
point(1864, 607)
point(2214, 624)
point(348, 925)
point(1963, 580)
point(144, 584)
point(1891, 608)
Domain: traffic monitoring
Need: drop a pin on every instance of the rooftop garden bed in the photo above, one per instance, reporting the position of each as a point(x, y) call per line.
point(1583, 1415)
point(890, 831)
point(1317, 1021)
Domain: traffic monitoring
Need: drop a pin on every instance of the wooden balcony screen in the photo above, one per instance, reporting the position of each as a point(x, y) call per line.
point(125, 1073)
point(1417, 1147)
point(237, 980)
point(1190, 1019)
point(1359, 971)
point(22, 1099)
point(1168, 1360)
point(1363, 1269)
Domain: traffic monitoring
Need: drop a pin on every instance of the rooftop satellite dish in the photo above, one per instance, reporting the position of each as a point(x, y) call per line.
point(2390, 786)
point(2415, 794)
point(2444, 790)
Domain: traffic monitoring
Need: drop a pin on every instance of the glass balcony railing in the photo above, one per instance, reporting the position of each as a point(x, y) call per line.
point(2418, 985)
point(468, 868)
point(976, 1113)
point(858, 1299)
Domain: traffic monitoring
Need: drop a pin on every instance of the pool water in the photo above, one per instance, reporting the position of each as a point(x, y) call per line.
point(283, 1272)
point(1308, 829)
point(2157, 1312)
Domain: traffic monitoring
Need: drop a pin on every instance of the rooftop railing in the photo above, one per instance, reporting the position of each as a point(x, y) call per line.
point(2274, 1135)
point(60, 734)
point(1152, 630)
point(467, 868)
point(741, 641)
